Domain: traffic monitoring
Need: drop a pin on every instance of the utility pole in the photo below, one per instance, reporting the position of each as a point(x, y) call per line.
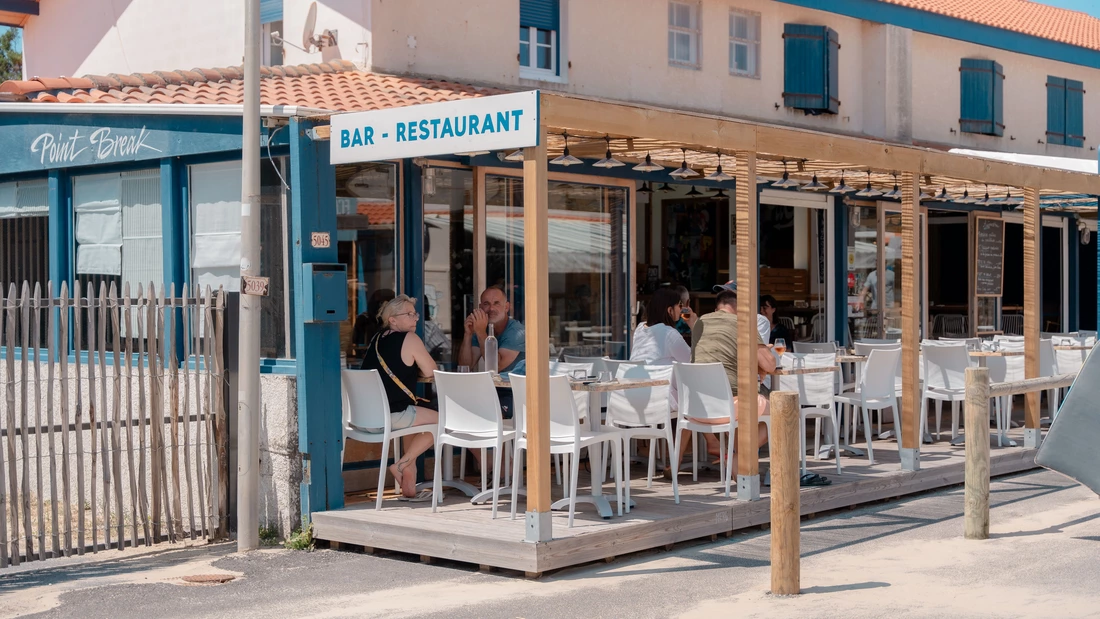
point(248, 396)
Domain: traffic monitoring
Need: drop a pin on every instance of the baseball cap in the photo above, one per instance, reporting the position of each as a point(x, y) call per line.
point(730, 286)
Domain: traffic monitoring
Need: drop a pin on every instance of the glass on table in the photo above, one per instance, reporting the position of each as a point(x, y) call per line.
point(780, 346)
point(463, 369)
point(605, 376)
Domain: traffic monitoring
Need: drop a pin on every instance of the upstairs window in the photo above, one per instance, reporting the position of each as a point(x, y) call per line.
point(1065, 111)
point(981, 104)
point(539, 27)
point(683, 34)
point(810, 68)
point(744, 44)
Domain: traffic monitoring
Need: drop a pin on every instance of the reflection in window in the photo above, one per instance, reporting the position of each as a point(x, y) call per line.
point(448, 260)
point(865, 295)
point(587, 260)
point(366, 224)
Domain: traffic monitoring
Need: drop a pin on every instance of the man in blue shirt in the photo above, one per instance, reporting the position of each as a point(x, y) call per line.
point(511, 340)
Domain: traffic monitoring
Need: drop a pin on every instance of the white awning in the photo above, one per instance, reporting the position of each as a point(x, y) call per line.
point(1071, 164)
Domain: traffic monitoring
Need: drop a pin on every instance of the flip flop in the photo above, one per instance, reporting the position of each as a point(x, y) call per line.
point(813, 479)
point(420, 497)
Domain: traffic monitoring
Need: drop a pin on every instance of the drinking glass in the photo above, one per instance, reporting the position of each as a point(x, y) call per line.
point(780, 346)
point(462, 369)
point(605, 376)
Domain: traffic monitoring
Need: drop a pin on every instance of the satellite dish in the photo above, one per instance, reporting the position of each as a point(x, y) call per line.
point(308, 40)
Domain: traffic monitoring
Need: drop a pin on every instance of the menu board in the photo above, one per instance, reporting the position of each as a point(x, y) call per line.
point(989, 259)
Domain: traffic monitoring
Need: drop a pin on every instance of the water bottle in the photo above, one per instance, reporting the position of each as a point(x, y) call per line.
point(490, 352)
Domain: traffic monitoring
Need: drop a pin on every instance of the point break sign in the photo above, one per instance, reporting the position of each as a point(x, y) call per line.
point(497, 122)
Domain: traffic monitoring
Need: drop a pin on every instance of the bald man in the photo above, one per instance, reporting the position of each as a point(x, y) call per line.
point(511, 341)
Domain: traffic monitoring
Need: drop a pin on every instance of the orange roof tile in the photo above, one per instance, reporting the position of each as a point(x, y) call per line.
point(1039, 20)
point(336, 86)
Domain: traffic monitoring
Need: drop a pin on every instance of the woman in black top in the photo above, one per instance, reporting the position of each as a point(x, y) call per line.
point(404, 354)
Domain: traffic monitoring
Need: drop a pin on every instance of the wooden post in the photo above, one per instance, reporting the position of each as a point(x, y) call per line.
point(976, 506)
point(748, 463)
point(785, 507)
point(536, 274)
point(1032, 313)
point(910, 436)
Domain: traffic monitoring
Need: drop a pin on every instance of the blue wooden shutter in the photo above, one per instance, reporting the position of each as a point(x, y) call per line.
point(1056, 110)
point(981, 101)
point(810, 55)
point(542, 14)
point(1075, 113)
point(271, 10)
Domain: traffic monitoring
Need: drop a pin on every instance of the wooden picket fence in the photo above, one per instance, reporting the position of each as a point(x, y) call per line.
point(103, 398)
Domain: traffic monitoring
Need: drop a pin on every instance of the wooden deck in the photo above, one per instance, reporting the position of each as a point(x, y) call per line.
point(464, 532)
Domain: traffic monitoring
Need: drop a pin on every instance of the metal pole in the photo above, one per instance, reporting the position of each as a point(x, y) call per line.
point(248, 397)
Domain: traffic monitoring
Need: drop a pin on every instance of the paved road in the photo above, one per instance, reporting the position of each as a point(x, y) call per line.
point(898, 559)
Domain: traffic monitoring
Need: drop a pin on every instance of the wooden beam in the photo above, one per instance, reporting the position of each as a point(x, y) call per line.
point(910, 324)
point(1032, 311)
point(748, 463)
point(536, 273)
point(976, 492)
point(785, 491)
point(706, 131)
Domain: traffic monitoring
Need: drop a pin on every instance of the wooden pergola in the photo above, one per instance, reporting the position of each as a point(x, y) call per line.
point(751, 149)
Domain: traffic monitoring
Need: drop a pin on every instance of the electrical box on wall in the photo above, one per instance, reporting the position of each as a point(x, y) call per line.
point(326, 292)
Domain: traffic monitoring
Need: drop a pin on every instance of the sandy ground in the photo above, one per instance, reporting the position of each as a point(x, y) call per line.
point(898, 559)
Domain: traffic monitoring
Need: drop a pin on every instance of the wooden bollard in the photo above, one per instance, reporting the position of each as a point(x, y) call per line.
point(976, 505)
point(785, 505)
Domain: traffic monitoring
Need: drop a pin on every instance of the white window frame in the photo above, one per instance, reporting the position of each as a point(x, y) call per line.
point(265, 48)
point(693, 31)
point(753, 44)
point(531, 71)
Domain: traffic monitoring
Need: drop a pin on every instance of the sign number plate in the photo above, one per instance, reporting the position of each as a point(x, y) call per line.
point(320, 240)
point(255, 286)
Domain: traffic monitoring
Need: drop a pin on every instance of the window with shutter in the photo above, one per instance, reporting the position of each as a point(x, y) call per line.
point(1075, 113)
point(1056, 110)
point(810, 68)
point(981, 100)
point(539, 27)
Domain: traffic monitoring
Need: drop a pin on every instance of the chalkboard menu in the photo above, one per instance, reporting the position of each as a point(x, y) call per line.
point(989, 265)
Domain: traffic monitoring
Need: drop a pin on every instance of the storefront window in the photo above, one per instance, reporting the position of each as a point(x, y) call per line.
point(794, 261)
point(367, 243)
point(448, 260)
point(866, 297)
point(587, 260)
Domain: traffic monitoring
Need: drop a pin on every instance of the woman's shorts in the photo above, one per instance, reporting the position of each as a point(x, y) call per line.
point(398, 421)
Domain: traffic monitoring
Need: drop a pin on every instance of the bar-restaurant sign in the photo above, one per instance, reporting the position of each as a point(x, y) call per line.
point(498, 122)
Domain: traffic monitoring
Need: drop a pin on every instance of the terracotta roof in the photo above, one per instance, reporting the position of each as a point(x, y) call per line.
point(1040, 20)
point(335, 85)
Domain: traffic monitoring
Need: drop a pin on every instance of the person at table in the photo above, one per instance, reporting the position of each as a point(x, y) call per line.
point(367, 323)
point(687, 316)
point(656, 341)
point(775, 328)
point(714, 340)
point(400, 357)
point(511, 340)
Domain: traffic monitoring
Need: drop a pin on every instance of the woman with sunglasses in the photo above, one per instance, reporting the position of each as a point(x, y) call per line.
point(400, 357)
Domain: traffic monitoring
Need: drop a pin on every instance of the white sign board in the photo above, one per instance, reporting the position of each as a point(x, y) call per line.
point(498, 122)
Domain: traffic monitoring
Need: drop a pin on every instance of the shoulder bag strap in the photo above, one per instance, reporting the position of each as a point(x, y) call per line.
point(395, 379)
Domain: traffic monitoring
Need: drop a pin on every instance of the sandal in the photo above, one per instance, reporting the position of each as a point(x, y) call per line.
point(813, 479)
point(420, 497)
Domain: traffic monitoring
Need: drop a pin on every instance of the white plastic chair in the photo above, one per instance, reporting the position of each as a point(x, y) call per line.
point(1012, 324)
point(567, 436)
point(815, 397)
point(366, 407)
point(705, 393)
point(818, 332)
point(876, 391)
point(642, 413)
point(803, 348)
point(1048, 366)
point(470, 417)
point(864, 348)
point(944, 381)
point(613, 365)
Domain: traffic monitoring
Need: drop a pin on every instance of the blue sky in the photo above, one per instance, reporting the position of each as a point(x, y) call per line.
point(1092, 7)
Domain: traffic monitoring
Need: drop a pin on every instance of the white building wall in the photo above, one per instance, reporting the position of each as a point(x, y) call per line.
point(936, 98)
point(79, 37)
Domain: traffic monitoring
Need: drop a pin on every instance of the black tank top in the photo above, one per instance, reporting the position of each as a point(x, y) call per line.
point(389, 345)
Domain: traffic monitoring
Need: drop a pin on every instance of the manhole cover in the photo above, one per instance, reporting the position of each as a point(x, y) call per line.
point(208, 579)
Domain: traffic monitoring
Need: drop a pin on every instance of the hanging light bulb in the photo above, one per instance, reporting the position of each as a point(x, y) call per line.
point(645, 188)
point(894, 193)
point(516, 155)
point(648, 165)
point(925, 196)
point(842, 187)
point(565, 158)
point(814, 185)
point(1009, 199)
point(943, 196)
point(608, 161)
point(718, 175)
point(786, 181)
point(721, 193)
point(693, 192)
point(683, 171)
point(666, 188)
point(868, 191)
point(966, 199)
point(985, 201)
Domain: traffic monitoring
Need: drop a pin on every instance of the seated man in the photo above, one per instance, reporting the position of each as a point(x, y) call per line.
point(714, 340)
point(511, 340)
